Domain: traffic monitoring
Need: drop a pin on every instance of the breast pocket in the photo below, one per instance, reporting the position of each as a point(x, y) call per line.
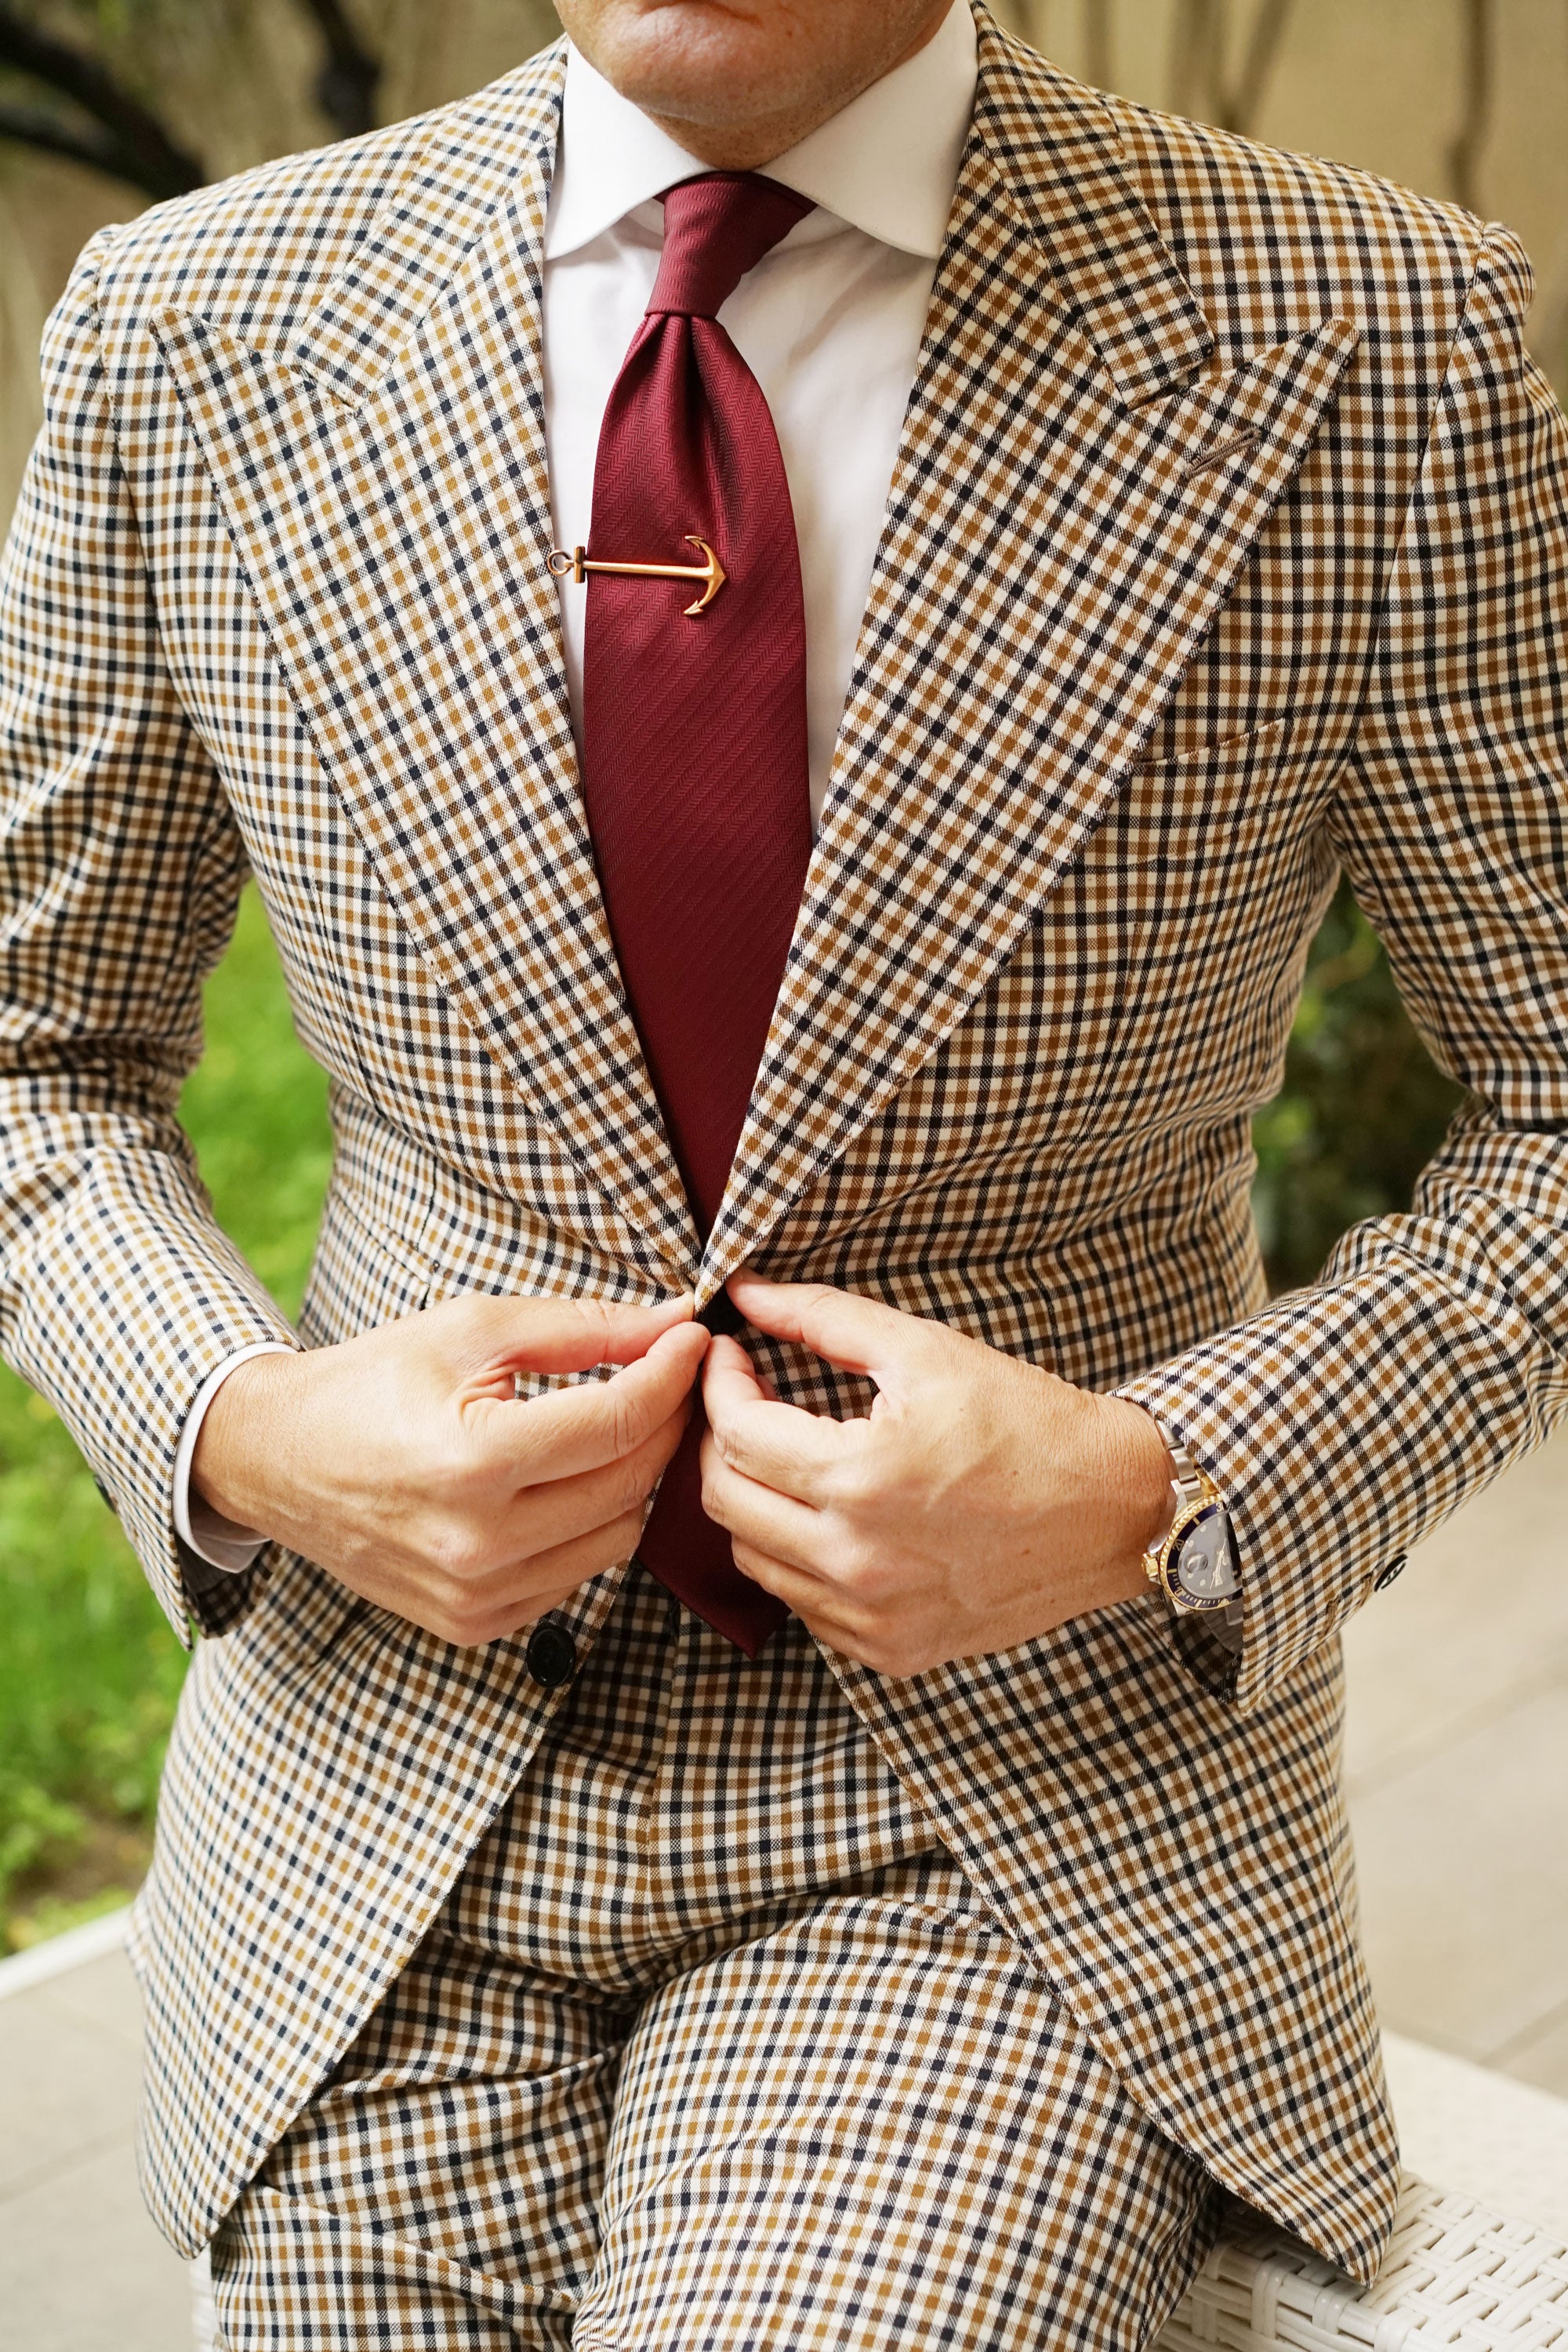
point(1215, 807)
point(1191, 912)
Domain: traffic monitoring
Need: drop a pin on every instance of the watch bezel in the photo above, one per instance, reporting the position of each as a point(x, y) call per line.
point(1193, 1515)
point(1159, 1560)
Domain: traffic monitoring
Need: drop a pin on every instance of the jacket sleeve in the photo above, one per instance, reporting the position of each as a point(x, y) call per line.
point(1344, 1421)
point(120, 869)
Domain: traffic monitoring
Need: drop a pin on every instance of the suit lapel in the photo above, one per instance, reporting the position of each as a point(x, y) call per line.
point(384, 479)
point(1076, 492)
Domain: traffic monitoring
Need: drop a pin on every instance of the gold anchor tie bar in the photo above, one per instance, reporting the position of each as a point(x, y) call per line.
point(712, 574)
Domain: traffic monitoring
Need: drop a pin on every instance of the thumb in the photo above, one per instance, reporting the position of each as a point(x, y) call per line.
point(857, 1335)
point(503, 1334)
point(730, 1380)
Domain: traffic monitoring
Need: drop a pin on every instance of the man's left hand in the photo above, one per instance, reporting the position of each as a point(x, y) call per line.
point(982, 1502)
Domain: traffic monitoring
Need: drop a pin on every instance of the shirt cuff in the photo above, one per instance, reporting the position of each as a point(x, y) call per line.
point(210, 1535)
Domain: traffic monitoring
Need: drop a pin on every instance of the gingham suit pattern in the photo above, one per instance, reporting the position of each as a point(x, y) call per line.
point(767, 2072)
point(1226, 545)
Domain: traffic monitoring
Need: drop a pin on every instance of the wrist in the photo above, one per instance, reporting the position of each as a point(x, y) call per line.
point(1143, 1474)
point(240, 1439)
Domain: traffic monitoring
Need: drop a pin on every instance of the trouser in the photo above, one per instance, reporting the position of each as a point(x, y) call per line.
point(712, 2046)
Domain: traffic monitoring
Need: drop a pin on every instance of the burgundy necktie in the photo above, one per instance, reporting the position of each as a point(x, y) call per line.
point(694, 747)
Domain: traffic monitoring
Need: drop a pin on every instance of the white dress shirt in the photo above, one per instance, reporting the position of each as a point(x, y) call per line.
point(830, 324)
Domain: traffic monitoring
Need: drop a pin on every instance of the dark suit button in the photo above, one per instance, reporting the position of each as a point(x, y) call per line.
point(1386, 1574)
point(552, 1655)
point(103, 1494)
point(721, 1317)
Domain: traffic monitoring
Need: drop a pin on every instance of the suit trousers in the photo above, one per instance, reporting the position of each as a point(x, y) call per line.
point(714, 2045)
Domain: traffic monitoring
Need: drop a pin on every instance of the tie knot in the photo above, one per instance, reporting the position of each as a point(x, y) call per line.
point(715, 230)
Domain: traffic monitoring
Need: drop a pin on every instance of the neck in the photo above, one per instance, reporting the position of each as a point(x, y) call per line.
point(744, 146)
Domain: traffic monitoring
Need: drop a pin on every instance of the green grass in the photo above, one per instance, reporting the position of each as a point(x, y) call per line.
point(90, 1671)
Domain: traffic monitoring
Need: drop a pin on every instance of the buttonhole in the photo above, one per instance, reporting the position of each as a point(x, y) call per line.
point(1207, 459)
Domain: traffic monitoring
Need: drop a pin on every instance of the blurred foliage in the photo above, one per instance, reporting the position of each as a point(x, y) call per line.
point(81, 78)
point(1362, 1109)
point(161, 95)
point(89, 1672)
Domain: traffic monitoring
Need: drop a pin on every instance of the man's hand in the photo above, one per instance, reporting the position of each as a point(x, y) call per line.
point(404, 1462)
point(984, 1502)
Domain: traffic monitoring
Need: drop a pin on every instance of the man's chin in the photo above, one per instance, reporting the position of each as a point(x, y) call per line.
point(712, 86)
point(722, 67)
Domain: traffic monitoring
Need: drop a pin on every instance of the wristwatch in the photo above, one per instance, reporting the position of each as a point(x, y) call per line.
point(1193, 1563)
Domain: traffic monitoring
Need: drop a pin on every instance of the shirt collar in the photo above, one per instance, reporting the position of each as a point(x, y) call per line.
point(887, 163)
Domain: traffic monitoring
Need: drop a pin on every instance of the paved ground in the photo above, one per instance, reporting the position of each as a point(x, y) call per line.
point(1457, 1760)
point(1457, 1765)
point(81, 2267)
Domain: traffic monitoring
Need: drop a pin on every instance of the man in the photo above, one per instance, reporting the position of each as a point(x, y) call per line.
point(795, 616)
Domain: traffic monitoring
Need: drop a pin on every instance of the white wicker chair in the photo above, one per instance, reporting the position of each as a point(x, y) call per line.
point(1454, 2275)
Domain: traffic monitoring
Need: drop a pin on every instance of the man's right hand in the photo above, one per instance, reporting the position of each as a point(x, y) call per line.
point(404, 1462)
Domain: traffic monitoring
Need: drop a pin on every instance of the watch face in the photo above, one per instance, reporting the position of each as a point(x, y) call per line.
point(1203, 1564)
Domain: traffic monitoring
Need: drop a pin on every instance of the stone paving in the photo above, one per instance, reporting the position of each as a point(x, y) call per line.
point(1456, 1760)
point(81, 2267)
point(1458, 1766)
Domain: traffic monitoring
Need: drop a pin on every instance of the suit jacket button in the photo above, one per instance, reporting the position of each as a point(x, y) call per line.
point(1386, 1574)
point(551, 1656)
point(721, 1317)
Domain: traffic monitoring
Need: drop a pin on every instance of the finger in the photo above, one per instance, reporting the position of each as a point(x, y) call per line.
point(559, 1335)
point(795, 1452)
point(542, 1603)
point(754, 1515)
point(515, 1616)
point(542, 1582)
point(857, 1335)
point(729, 1371)
point(540, 1517)
point(580, 1428)
point(820, 1607)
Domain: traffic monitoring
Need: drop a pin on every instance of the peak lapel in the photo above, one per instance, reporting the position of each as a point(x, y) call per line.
point(1071, 503)
point(385, 480)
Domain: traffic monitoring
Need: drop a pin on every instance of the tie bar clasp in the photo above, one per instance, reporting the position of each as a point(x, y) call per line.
point(712, 574)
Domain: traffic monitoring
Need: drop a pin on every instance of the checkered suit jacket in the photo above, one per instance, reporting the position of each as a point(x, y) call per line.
point(1225, 550)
